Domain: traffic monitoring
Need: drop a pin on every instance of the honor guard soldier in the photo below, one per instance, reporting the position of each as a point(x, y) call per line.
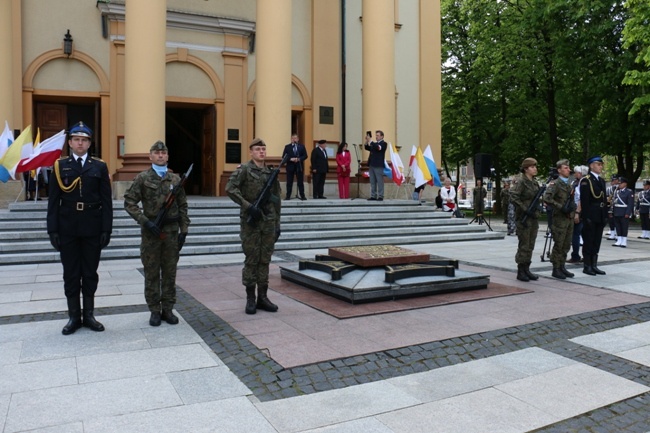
point(611, 189)
point(161, 244)
point(643, 206)
point(258, 236)
point(79, 223)
point(593, 208)
point(559, 195)
point(622, 209)
point(522, 195)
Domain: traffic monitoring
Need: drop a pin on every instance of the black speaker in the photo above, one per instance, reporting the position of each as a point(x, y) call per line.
point(482, 165)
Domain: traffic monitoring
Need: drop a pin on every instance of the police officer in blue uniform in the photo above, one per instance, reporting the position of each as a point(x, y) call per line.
point(79, 223)
point(593, 205)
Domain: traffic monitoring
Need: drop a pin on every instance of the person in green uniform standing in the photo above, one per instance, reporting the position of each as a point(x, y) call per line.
point(559, 195)
point(522, 193)
point(160, 246)
point(258, 237)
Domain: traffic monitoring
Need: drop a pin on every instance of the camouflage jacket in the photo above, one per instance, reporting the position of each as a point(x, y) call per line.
point(522, 194)
point(151, 190)
point(245, 184)
point(557, 194)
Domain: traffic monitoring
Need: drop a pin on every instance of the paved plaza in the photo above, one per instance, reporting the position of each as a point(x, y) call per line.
point(561, 356)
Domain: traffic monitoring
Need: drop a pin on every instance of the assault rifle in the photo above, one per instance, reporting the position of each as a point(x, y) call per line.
point(533, 204)
point(169, 201)
point(255, 210)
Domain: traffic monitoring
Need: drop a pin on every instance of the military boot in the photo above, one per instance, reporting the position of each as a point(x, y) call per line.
point(251, 308)
point(594, 265)
point(588, 269)
point(89, 318)
point(155, 318)
point(521, 273)
point(169, 317)
point(557, 273)
point(566, 272)
point(74, 312)
point(531, 276)
point(263, 302)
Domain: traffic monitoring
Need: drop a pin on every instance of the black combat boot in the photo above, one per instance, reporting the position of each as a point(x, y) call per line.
point(566, 272)
point(557, 273)
point(169, 317)
point(74, 312)
point(531, 276)
point(594, 265)
point(263, 302)
point(588, 269)
point(155, 318)
point(251, 308)
point(521, 273)
point(89, 318)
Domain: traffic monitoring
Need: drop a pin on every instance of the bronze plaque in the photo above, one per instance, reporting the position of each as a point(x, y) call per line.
point(378, 255)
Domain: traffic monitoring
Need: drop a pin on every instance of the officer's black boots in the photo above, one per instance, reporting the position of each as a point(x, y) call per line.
point(89, 318)
point(251, 307)
point(557, 273)
point(74, 311)
point(155, 318)
point(531, 276)
point(588, 269)
point(594, 265)
point(169, 317)
point(521, 273)
point(566, 272)
point(263, 302)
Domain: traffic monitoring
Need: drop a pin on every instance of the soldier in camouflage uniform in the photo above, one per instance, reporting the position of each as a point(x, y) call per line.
point(505, 201)
point(559, 196)
point(258, 239)
point(522, 193)
point(159, 256)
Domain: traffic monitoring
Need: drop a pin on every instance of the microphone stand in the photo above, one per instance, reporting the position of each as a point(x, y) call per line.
point(356, 152)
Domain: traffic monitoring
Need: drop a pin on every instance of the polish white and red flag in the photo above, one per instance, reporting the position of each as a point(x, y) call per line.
point(44, 153)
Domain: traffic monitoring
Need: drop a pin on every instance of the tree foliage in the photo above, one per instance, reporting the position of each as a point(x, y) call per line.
point(541, 78)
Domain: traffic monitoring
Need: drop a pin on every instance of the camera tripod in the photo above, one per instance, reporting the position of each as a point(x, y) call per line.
point(480, 220)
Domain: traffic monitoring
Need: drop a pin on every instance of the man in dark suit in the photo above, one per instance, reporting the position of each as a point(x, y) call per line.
point(593, 212)
point(319, 168)
point(297, 154)
point(376, 160)
point(79, 223)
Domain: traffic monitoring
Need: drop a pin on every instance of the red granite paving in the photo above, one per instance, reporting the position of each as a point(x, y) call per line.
point(300, 334)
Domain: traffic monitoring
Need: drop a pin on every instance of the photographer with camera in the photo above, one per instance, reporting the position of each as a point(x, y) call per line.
point(559, 196)
point(522, 194)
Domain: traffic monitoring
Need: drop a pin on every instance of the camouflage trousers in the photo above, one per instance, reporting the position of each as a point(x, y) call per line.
point(258, 242)
point(159, 258)
point(562, 231)
point(526, 236)
point(510, 218)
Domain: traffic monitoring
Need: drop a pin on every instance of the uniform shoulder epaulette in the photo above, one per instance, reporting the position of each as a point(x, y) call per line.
point(98, 159)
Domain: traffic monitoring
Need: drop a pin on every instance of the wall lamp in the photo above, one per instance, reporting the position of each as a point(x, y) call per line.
point(67, 44)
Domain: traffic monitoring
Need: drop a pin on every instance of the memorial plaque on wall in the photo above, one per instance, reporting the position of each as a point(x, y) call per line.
point(233, 153)
point(233, 134)
point(326, 115)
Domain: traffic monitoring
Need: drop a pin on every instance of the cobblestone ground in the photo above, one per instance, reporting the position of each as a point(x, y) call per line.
point(269, 381)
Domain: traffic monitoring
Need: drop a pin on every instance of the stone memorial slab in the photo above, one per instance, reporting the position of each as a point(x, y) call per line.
point(378, 255)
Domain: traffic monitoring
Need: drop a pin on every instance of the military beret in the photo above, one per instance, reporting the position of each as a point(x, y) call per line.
point(257, 142)
point(158, 145)
point(528, 162)
point(81, 130)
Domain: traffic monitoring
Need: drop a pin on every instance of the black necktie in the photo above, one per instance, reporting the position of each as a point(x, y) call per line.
point(80, 161)
point(295, 150)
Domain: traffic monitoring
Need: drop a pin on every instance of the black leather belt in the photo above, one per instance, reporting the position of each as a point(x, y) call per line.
point(81, 206)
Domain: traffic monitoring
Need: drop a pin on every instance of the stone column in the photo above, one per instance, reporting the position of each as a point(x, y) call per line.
point(273, 74)
point(430, 78)
point(7, 81)
point(379, 67)
point(144, 82)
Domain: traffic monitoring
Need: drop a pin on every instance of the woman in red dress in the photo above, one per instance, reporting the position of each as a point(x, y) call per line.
point(343, 160)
